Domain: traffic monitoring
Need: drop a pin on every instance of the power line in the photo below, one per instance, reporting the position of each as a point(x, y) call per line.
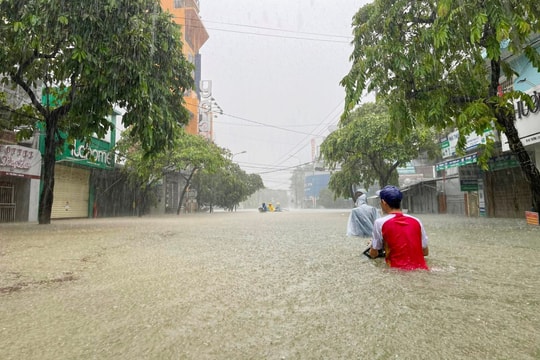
point(281, 36)
point(266, 166)
point(276, 29)
point(275, 35)
point(257, 125)
point(255, 122)
point(267, 125)
point(274, 171)
point(283, 159)
point(288, 155)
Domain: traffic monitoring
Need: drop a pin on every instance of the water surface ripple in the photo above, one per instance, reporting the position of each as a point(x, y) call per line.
point(246, 285)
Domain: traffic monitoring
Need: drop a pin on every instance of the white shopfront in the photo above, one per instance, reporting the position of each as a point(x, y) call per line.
point(528, 125)
point(20, 170)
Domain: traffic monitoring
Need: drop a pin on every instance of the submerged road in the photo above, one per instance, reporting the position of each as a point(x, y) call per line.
point(246, 285)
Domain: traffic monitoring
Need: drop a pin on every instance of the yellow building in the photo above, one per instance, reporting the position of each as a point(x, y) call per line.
point(194, 35)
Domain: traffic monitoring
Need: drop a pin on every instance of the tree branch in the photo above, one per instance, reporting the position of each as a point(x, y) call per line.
point(18, 78)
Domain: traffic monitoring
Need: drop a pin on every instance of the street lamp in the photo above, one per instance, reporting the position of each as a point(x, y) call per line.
point(238, 153)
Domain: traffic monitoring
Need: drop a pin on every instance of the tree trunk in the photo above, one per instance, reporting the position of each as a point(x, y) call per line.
point(383, 180)
point(527, 166)
point(182, 195)
point(47, 174)
point(188, 182)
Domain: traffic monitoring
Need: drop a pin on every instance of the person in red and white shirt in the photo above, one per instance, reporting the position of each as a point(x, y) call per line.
point(402, 236)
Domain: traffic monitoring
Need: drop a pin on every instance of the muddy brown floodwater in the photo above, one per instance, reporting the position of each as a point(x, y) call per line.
point(246, 285)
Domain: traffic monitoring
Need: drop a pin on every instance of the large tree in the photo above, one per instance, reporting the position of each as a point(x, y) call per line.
point(227, 187)
point(439, 63)
point(187, 155)
point(77, 60)
point(366, 152)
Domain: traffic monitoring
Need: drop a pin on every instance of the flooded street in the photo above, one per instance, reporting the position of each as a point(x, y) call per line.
point(246, 285)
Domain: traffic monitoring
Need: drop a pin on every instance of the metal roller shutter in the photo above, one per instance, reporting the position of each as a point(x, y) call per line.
point(71, 192)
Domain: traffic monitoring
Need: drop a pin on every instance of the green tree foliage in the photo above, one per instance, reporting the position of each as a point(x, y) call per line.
point(226, 188)
point(366, 152)
point(187, 155)
point(86, 57)
point(254, 184)
point(439, 63)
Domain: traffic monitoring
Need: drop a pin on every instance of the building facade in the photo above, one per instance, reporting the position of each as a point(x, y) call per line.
point(85, 176)
point(20, 168)
point(20, 173)
point(186, 14)
point(74, 196)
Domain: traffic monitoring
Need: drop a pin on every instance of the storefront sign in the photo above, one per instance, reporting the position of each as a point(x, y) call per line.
point(527, 120)
point(407, 169)
point(472, 141)
point(21, 161)
point(469, 159)
point(468, 185)
point(468, 178)
point(96, 154)
point(505, 161)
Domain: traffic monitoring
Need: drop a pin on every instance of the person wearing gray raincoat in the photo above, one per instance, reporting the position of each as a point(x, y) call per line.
point(362, 218)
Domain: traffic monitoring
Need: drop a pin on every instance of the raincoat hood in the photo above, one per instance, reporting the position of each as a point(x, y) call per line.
point(362, 199)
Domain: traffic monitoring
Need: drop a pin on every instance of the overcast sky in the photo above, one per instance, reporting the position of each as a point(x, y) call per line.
point(275, 67)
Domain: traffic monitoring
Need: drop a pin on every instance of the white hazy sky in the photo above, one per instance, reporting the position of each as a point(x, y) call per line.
point(275, 67)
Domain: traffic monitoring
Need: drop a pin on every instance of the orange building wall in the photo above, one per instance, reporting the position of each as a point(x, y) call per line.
point(199, 36)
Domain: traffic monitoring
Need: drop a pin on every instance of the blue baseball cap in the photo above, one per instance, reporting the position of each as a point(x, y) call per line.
point(391, 195)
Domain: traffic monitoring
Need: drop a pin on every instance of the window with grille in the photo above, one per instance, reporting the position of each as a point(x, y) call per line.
point(506, 85)
point(7, 202)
